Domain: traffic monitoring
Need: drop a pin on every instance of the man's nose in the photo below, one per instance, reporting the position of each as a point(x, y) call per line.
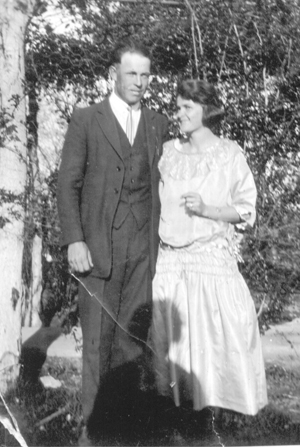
point(138, 80)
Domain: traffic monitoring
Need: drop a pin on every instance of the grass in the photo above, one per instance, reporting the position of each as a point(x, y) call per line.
point(274, 425)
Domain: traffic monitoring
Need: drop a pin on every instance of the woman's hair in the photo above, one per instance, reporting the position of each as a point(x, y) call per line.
point(206, 95)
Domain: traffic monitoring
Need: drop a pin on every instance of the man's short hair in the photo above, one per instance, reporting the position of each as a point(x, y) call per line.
point(129, 45)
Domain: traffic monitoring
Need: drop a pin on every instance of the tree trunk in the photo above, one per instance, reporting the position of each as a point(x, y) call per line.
point(36, 284)
point(32, 253)
point(14, 17)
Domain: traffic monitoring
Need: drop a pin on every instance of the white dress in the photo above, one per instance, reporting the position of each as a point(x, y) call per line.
point(205, 333)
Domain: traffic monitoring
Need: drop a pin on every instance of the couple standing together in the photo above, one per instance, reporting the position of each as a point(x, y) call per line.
point(149, 230)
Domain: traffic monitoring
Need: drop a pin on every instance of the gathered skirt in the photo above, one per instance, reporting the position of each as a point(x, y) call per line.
point(205, 335)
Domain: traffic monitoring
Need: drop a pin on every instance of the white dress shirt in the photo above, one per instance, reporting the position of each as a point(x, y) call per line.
point(120, 110)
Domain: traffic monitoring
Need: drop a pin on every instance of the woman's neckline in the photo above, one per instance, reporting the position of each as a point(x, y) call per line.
point(206, 148)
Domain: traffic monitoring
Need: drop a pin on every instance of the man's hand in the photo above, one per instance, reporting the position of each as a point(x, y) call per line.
point(79, 257)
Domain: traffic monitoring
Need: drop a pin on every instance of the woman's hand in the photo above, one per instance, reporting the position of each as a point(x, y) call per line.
point(194, 204)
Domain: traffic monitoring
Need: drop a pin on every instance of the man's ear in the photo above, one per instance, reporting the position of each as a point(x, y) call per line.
point(112, 72)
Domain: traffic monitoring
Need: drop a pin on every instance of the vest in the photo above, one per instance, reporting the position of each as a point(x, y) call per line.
point(136, 189)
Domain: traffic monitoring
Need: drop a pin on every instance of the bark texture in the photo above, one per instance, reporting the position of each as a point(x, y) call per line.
point(33, 312)
point(14, 17)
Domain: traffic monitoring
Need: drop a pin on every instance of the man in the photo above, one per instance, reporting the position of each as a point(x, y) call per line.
point(109, 211)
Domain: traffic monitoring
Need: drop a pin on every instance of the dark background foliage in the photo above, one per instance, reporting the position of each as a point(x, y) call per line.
point(250, 50)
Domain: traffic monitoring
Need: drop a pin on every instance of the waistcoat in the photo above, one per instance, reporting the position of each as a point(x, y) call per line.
point(136, 189)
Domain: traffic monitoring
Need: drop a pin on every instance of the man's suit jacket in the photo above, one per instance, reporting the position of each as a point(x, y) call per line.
point(91, 177)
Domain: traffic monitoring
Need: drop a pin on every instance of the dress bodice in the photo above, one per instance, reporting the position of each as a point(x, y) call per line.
point(220, 174)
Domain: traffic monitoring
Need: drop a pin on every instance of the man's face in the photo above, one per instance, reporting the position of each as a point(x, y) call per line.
point(131, 77)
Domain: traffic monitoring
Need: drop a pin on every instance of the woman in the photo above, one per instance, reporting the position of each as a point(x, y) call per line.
point(205, 331)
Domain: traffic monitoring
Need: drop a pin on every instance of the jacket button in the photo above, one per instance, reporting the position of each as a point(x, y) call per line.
point(132, 180)
point(118, 168)
point(116, 191)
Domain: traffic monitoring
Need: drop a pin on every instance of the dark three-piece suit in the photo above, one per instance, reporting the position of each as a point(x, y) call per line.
point(108, 197)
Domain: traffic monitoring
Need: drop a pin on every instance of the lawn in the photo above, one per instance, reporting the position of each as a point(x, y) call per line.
point(52, 417)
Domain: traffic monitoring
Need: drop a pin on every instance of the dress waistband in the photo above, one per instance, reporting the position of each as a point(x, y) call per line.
point(199, 247)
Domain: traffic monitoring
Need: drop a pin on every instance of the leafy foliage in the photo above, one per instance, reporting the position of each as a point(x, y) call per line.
point(251, 51)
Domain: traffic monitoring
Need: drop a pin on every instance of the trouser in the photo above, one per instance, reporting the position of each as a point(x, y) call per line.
point(115, 313)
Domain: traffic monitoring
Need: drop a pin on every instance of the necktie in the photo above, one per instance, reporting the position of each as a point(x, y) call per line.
point(129, 126)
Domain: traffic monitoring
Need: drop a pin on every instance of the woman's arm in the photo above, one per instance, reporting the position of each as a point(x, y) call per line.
point(195, 205)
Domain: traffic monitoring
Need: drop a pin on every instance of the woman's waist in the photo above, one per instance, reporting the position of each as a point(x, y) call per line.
point(214, 258)
point(196, 246)
point(222, 245)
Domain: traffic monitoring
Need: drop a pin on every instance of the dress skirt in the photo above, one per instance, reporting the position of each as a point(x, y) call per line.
point(205, 333)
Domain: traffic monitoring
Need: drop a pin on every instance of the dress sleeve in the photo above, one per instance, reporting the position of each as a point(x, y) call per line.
point(243, 189)
point(164, 162)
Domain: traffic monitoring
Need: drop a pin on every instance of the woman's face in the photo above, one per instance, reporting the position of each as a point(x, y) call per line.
point(189, 114)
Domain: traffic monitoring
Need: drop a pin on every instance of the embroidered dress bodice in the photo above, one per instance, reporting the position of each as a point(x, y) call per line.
point(221, 176)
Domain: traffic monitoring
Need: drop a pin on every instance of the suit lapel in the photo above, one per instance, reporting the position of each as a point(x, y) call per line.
point(107, 122)
point(150, 133)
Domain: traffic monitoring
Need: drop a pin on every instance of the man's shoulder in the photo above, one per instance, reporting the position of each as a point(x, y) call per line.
point(154, 114)
point(92, 109)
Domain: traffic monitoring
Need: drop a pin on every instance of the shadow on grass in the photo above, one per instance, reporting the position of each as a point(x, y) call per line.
point(158, 423)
